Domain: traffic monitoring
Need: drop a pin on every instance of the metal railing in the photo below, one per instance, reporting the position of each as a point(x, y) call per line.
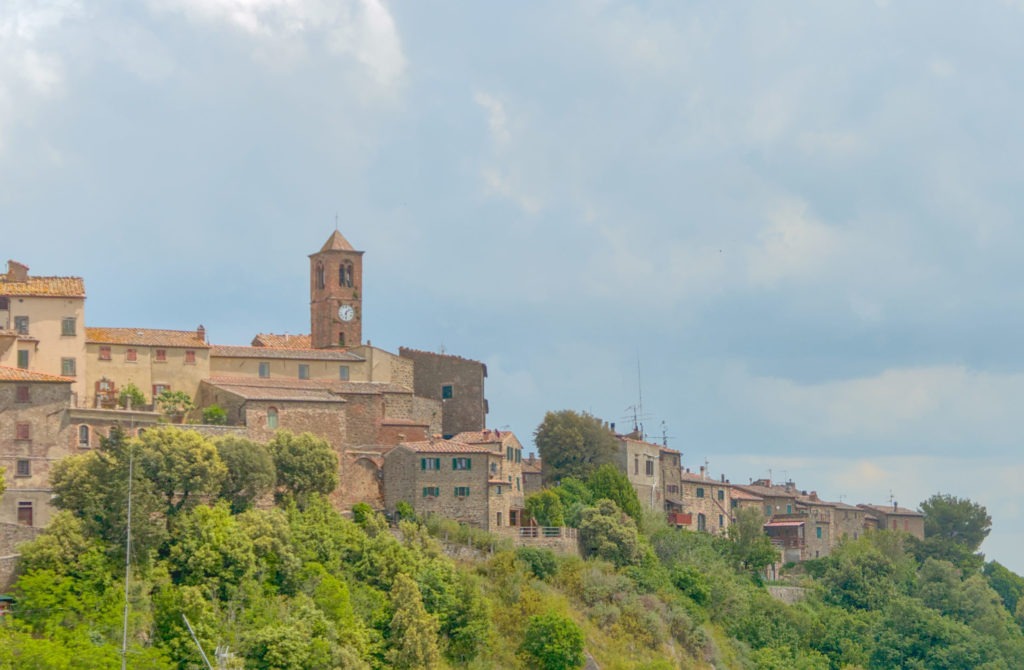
point(534, 532)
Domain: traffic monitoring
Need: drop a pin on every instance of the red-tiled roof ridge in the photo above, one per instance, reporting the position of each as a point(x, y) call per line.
point(485, 436)
point(146, 337)
point(282, 341)
point(888, 509)
point(337, 242)
point(63, 287)
point(9, 374)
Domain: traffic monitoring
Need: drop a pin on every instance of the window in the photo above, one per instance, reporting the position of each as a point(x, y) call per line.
point(343, 373)
point(431, 491)
point(517, 483)
point(303, 371)
point(636, 465)
point(461, 491)
point(160, 355)
point(104, 353)
point(21, 394)
point(497, 518)
point(447, 392)
point(461, 463)
point(83, 436)
point(160, 388)
point(789, 509)
point(23, 359)
point(23, 468)
point(345, 275)
point(319, 275)
point(650, 468)
point(341, 338)
point(68, 367)
point(430, 464)
point(24, 513)
point(672, 488)
point(702, 522)
point(5, 304)
point(508, 453)
point(494, 468)
point(721, 494)
point(519, 455)
point(700, 492)
point(734, 503)
point(272, 417)
point(721, 521)
point(264, 370)
point(67, 325)
point(190, 357)
point(22, 431)
point(499, 490)
point(21, 325)
point(817, 531)
point(131, 355)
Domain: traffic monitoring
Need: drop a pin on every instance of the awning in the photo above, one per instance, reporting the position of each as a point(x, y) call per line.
point(783, 524)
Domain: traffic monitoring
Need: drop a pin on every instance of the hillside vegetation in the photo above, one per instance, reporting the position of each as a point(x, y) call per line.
point(297, 585)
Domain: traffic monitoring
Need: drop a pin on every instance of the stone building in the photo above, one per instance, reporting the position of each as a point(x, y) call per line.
point(42, 324)
point(894, 517)
point(34, 434)
point(641, 461)
point(533, 479)
point(848, 521)
point(472, 481)
point(707, 502)
point(670, 463)
point(458, 383)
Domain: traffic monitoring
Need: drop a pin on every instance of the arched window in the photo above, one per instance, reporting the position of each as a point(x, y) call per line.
point(348, 275)
point(341, 275)
point(319, 275)
point(272, 417)
point(83, 436)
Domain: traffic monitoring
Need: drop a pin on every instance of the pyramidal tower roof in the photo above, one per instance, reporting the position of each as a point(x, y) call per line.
point(337, 242)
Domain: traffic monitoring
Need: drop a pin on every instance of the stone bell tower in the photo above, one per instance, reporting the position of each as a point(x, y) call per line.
point(335, 294)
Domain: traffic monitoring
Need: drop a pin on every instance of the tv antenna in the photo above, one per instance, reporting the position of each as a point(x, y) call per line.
point(664, 435)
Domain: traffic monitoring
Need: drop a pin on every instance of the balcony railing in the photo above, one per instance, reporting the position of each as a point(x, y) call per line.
point(534, 532)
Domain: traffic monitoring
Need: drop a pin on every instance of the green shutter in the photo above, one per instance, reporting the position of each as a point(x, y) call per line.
point(469, 464)
point(423, 464)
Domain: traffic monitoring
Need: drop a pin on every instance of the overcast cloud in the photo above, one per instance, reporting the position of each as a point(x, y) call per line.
point(795, 226)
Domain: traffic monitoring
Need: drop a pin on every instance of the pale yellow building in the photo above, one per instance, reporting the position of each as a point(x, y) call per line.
point(641, 461)
point(42, 325)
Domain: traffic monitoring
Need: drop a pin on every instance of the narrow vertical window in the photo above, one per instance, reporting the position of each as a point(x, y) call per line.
point(131, 355)
point(447, 392)
point(303, 371)
point(264, 370)
point(21, 394)
point(68, 367)
point(343, 373)
point(272, 417)
point(319, 275)
point(341, 338)
point(190, 357)
point(67, 326)
point(104, 353)
point(83, 436)
point(160, 355)
point(24, 513)
point(23, 359)
point(23, 468)
point(21, 325)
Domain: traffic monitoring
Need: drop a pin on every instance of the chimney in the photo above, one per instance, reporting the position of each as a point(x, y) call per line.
point(723, 478)
point(16, 271)
point(702, 472)
point(613, 426)
point(201, 333)
point(895, 506)
point(530, 460)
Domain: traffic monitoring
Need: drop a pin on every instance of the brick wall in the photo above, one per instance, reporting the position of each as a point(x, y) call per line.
point(466, 410)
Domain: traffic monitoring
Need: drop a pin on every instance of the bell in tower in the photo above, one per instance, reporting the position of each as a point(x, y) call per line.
point(335, 294)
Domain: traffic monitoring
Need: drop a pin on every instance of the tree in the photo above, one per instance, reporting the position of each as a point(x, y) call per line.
point(954, 529)
point(751, 548)
point(131, 397)
point(552, 642)
point(209, 549)
point(182, 464)
point(606, 532)
point(250, 471)
point(573, 444)
point(610, 483)
point(174, 404)
point(214, 415)
point(305, 465)
point(413, 632)
point(545, 507)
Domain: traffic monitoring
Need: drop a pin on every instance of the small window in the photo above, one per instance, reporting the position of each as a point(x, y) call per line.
point(160, 355)
point(343, 373)
point(817, 531)
point(272, 417)
point(650, 468)
point(190, 357)
point(23, 468)
point(104, 353)
point(494, 468)
point(789, 509)
point(68, 367)
point(5, 304)
point(461, 464)
point(447, 392)
point(303, 371)
point(67, 326)
point(508, 453)
point(768, 510)
point(517, 483)
point(461, 491)
point(497, 517)
point(24, 513)
point(672, 488)
point(21, 394)
point(700, 492)
point(721, 494)
point(499, 490)
point(319, 275)
point(21, 325)
point(264, 370)
point(636, 465)
point(22, 431)
point(341, 338)
point(431, 491)
point(83, 436)
point(430, 464)
point(702, 522)
point(721, 521)
point(160, 388)
point(23, 359)
point(131, 355)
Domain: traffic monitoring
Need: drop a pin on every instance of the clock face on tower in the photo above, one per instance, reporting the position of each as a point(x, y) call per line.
point(346, 313)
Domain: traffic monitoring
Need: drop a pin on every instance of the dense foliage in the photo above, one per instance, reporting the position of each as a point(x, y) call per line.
point(297, 585)
point(573, 444)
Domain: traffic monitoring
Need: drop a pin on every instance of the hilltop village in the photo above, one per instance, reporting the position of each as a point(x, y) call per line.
point(407, 427)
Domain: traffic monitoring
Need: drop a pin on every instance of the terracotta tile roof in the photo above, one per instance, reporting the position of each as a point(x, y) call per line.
point(531, 468)
point(337, 242)
point(298, 354)
point(18, 375)
point(275, 341)
point(890, 511)
point(694, 477)
point(768, 491)
point(252, 389)
point(146, 337)
point(338, 387)
point(487, 437)
point(740, 494)
point(402, 351)
point(444, 447)
point(59, 287)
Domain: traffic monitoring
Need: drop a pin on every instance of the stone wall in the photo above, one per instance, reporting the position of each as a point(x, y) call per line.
point(404, 479)
point(466, 409)
point(11, 535)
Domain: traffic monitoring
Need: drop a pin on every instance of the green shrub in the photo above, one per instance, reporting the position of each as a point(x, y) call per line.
point(542, 562)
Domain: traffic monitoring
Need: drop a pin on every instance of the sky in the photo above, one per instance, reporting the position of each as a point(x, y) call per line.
point(785, 235)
